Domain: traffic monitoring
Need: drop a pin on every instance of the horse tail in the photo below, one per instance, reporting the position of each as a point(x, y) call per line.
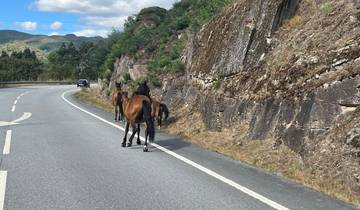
point(146, 110)
point(165, 110)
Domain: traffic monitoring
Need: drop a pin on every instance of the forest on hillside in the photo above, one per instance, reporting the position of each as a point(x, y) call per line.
point(67, 63)
point(159, 42)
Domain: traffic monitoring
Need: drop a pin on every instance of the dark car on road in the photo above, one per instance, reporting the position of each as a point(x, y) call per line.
point(83, 83)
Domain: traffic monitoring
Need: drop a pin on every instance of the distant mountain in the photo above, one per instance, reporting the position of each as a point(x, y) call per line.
point(42, 42)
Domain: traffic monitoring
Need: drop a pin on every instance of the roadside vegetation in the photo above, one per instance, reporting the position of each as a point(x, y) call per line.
point(163, 41)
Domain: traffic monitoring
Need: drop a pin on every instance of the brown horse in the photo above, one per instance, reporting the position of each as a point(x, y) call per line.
point(158, 109)
point(117, 101)
point(137, 110)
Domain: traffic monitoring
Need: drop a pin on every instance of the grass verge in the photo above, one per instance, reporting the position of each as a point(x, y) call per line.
point(93, 97)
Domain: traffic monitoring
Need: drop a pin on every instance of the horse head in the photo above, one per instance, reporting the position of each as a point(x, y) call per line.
point(118, 85)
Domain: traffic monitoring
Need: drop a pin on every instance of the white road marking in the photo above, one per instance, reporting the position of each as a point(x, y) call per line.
point(3, 175)
point(7, 144)
point(190, 162)
point(13, 108)
point(15, 102)
point(25, 116)
point(18, 97)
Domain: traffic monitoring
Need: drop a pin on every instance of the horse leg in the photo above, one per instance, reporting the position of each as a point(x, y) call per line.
point(146, 140)
point(120, 118)
point(121, 113)
point(126, 132)
point(138, 142)
point(116, 113)
point(132, 135)
point(159, 120)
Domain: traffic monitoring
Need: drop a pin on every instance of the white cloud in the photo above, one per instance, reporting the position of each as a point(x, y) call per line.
point(27, 25)
point(56, 25)
point(100, 7)
point(93, 32)
point(108, 22)
point(53, 34)
point(100, 16)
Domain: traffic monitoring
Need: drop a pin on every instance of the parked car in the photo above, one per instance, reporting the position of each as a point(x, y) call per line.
point(83, 83)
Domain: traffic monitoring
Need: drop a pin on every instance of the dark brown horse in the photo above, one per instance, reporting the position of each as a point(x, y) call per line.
point(137, 110)
point(117, 101)
point(158, 110)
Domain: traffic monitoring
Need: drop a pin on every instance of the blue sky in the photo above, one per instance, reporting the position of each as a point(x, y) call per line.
point(81, 17)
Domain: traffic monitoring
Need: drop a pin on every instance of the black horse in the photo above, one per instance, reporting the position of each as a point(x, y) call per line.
point(143, 89)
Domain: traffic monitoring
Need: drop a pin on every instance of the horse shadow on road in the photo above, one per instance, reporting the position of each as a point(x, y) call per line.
point(171, 144)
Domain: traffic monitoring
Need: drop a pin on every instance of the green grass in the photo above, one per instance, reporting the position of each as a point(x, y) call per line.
point(326, 8)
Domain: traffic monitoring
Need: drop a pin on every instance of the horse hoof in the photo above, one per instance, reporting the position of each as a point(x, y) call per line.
point(123, 144)
point(129, 145)
point(138, 142)
point(145, 149)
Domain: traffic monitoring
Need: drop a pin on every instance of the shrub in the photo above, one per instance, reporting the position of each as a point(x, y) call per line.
point(326, 8)
point(217, 84)
point(126, 77)
point(154, 80)
point(176, 67)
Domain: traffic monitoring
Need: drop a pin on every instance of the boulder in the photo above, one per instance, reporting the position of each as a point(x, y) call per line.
point(138, 71)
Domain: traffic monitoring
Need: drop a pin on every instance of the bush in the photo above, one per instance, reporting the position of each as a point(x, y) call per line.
point(154, 80)
point(217, 84)
point(176, 67)
point(326, 8)
point(126, 77)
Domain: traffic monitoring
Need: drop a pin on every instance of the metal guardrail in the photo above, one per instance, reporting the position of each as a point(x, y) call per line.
point(27, 83)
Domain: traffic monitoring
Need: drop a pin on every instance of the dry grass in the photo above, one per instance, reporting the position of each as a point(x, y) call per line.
point(292, 23)
point(94, 97)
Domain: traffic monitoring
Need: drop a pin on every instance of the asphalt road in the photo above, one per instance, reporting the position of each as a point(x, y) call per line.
point(68, 155)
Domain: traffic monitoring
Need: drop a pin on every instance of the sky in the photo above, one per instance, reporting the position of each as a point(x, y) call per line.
point(80, 17)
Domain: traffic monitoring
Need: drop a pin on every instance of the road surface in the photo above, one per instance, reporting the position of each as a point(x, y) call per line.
point(59, 153)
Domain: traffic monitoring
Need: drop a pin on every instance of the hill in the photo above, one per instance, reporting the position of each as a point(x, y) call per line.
point(42, 42)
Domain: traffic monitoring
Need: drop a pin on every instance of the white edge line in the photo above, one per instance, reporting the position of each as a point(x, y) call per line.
point(13, 108)
point(7, 144)
point(15, 102)
point(3, 175)
point(190, 162)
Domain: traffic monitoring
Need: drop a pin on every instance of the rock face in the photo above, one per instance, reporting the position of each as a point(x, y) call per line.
point(295, 85)
point(294, 121)
point(137, 71)
point(240, 35)
point(121, 67)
